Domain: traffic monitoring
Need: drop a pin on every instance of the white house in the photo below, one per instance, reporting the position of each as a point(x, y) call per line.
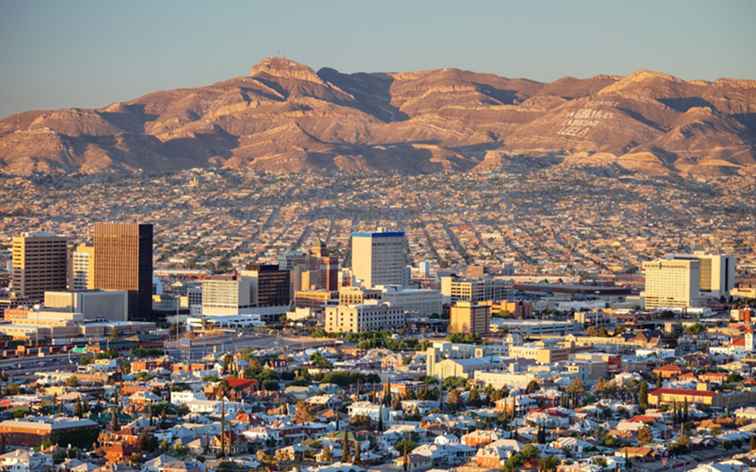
point(371, 410)
point(25, 460)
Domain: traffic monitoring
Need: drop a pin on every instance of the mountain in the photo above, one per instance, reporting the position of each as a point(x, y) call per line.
point(285, 117)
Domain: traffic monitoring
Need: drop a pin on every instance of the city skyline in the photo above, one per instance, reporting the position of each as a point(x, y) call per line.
point(377, 237)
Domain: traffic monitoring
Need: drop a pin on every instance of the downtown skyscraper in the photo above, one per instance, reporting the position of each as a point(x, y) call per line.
point(123, 261)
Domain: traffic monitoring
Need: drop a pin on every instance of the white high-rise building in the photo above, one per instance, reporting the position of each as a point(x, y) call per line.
point(671, 283)
point(227, 296)
point(717, 273)
point(379, 257)
point(82, 262)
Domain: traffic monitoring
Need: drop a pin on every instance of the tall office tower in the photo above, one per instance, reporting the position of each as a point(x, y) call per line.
point(82, 277)
point(327, 265)
point(312, 270)
point(123, 261)
point(470, 318)
point(271, 285)
point(671, 283)
point(717, 273)
point(379, 258)
point(40, 262)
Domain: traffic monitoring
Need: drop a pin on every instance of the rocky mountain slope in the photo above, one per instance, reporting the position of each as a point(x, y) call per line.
point(284, 117)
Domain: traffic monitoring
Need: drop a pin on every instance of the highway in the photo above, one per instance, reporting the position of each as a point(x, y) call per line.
point(20, 368)
point(25, 367)
point(266, 344)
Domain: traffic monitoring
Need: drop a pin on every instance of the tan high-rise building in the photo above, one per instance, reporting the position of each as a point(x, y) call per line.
point(671, 283)
point(455, 289)
point(123, 261)
point(470, 318)
point(83, 268)
point(379, 258)
point(717, 276)
point(40, 262)
point(315, 269)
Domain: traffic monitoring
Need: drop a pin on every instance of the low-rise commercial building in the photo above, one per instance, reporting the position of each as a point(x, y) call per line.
point(33, 431)
point(111, 305)
point(540, 353)
point(363, 318)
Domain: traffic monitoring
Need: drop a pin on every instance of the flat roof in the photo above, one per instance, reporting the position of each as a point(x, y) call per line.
point(573, 288)
point(377, 234)
point(518, 322)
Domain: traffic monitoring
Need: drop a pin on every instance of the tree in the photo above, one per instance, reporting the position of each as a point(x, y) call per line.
point(114, 426)
point(682, 441)
point(644, 435)
point(396, 403)
point(72, 381)
point(227, 466)
point(345, 454)
point(147, 442)
point(320, 361)
point(541, 436)
point(643, 395)
point(79, 409)
point(405, 444)
point(576, 389)
point(357, 453)
point(513, 463)
point(387, 394)
point(474, 397)
point(530, 451)
point(452, 398)
point(548, 464)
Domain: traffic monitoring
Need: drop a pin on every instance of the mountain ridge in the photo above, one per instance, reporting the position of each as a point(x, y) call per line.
point(283, 116)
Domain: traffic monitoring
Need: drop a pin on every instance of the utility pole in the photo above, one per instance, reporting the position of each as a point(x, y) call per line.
point(223, 425)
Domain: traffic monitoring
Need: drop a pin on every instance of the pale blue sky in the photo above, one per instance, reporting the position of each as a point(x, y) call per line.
point(90, 53)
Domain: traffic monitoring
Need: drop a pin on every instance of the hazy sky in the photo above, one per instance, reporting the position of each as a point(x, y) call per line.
point(61, 53)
